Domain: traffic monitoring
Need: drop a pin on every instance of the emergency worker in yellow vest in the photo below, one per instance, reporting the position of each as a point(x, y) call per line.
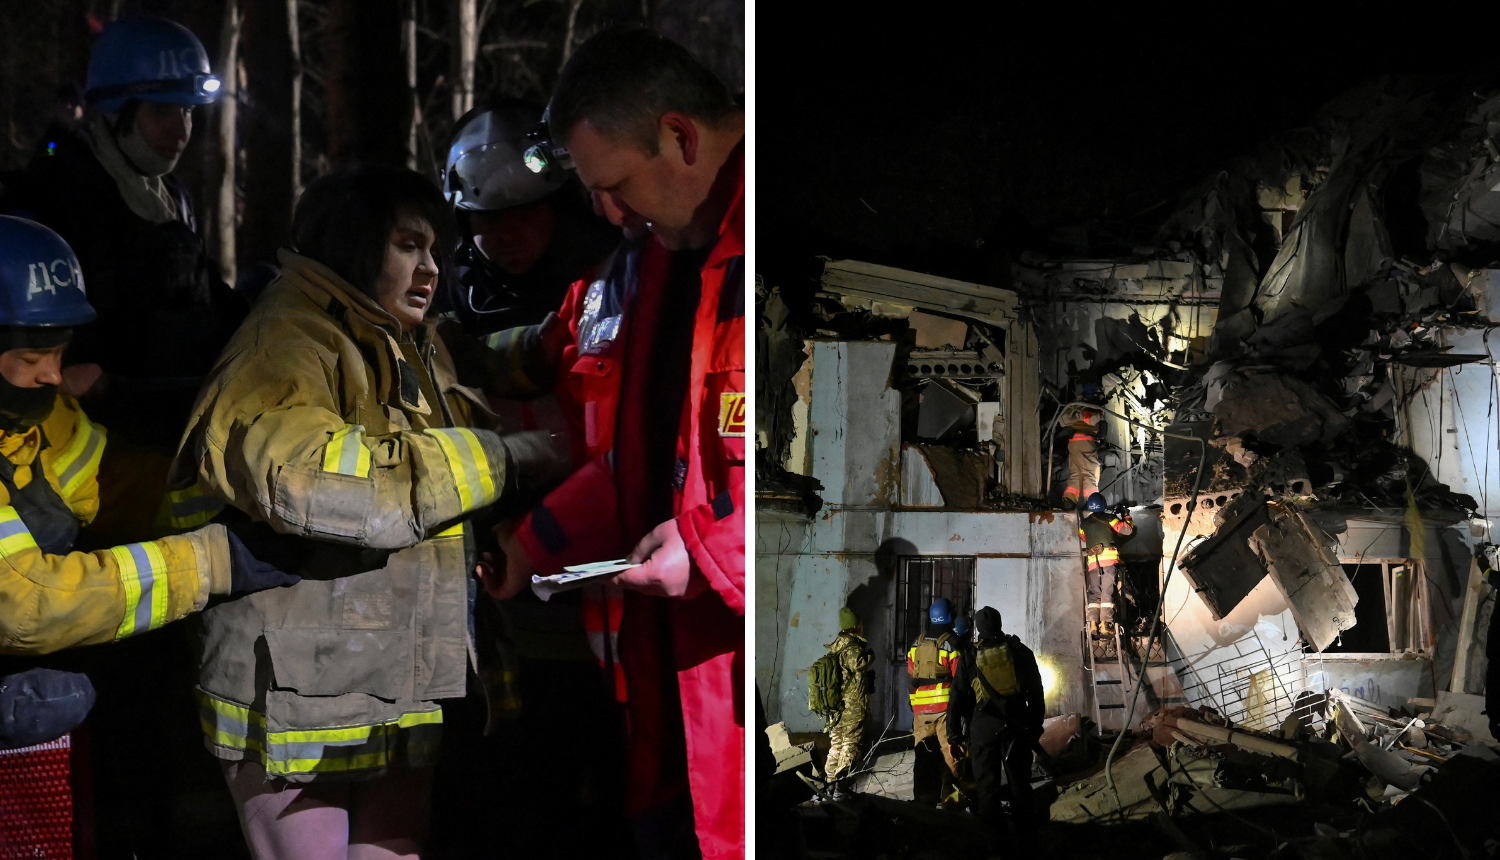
point(1083, 444)
point(334, 414)
point(52, 598)
point(846, 729)
point(931, 662)
point(999, 694)
point(1097, 530)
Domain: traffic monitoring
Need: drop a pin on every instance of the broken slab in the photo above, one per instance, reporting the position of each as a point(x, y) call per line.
point(1462, 710)
point(934, 332)
point(1136, 775)
point(889, 776)
point(1282, 410)
point(1223, 569)
point(884, 283)
point(1305, 569)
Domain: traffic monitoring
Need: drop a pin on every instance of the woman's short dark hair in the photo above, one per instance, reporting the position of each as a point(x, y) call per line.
point(345, 219)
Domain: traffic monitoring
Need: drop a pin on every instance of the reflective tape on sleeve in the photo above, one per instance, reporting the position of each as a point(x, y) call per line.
point(469, 465)
point(346, 453)
point(143, 575)
point(192, 507)
point(14, 536)
point(80, 459)
point(353, 748)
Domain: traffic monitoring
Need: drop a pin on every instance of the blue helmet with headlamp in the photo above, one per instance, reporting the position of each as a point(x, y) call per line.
point(152, 59)
point(41, 284)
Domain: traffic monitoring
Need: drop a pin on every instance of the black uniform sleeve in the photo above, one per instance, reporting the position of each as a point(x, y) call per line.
point(961, 697)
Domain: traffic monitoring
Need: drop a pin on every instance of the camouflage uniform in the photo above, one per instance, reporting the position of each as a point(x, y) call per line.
point(846, 728)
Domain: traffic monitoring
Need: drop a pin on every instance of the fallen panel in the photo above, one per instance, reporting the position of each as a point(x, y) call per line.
point(940, 411)
point(850, 277)
point(888, 776)
point(1307, 572)
point(936, 332)
point(960, 474)
point(1092, 798)
point(1463, 711)
point(1223, 569)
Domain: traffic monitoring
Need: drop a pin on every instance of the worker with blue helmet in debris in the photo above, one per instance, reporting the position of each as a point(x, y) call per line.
point(932, 662)
point(1083, 459)
point(1098, 530)
point(164, 311)
point(51, 596)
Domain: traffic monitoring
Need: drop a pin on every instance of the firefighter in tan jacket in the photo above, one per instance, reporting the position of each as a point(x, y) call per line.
point(334, 414)
point(50, 597)
point(1083, 446)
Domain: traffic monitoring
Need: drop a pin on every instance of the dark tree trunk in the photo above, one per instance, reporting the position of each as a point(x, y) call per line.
point(368, 98)
point(266, 133)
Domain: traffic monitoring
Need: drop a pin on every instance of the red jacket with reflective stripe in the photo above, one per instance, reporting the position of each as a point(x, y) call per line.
point(583, 520)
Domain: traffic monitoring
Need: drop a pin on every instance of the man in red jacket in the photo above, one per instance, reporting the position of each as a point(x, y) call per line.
point(657, 137)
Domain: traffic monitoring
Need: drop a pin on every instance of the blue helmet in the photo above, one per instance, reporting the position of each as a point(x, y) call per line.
point(152, 59)
point(40, 281)
point(1091, 389)
point(940, 612)
point(961, 625)
point(1095, 504)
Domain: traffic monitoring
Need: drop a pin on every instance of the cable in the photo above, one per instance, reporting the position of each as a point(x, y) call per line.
point(1156, 624)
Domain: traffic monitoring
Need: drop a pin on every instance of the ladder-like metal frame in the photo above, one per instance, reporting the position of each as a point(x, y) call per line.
point(1116, 677)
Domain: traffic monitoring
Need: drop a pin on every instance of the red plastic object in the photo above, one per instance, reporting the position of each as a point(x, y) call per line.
point(36, 802)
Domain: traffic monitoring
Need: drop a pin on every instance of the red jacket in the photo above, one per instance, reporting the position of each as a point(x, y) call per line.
point(698, 727)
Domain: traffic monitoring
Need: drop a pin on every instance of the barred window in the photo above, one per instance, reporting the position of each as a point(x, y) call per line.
point(921, 580)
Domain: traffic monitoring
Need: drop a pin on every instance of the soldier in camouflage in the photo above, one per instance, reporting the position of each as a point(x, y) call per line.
point(846, 728)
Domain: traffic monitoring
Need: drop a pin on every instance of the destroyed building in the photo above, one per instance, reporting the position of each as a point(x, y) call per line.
point(1301, 404)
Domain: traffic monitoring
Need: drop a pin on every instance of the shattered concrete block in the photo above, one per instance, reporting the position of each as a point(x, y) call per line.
point(1463, 710)
point(934, 332)
point(1092, 798)
point(1282, 410)
point(889, 776)
point(1307, 572)
point(795, 757)
point(1223, 569)
point(778, 736)
point(1058, 731)
point(1392, 769)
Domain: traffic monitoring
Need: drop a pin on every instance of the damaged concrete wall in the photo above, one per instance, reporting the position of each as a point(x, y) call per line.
point(854, 423)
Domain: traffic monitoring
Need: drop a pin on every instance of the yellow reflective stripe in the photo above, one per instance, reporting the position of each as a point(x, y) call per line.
point(14, 536)
point(455, 530)
point(229, 725)
point(142, 574)
point(80, 459)
point(192, 507)
point(334, 753)
point(469, 465)
point(346, 453)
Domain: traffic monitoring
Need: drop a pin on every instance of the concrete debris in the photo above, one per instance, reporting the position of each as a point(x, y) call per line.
point(1301, 561)
point(888, 776)
point(1138, 775)
point(935, 332)
point(1279, 409)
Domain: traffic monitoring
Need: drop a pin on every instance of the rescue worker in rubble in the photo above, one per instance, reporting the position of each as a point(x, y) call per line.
point(164, 311)
point(50, 597)
point(659, 141)
point(1098, 530)
point(53, 597)
point(523, 236)
point(335, 416)
point(998, 692)
point(931, 663)
point(846, 728)
point(1083, 459)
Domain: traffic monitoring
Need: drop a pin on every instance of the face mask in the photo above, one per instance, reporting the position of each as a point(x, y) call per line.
point(141, 155)
point(23, 408)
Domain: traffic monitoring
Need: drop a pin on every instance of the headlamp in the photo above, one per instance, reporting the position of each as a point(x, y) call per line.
point(544, 154)
point(206, 85)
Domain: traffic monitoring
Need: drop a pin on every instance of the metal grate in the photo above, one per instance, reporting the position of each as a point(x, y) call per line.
point(1261, 695)
point(921, 580)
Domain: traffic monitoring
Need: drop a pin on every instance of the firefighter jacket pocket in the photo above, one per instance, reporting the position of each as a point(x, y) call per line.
point(332, 662)
point(324, 504)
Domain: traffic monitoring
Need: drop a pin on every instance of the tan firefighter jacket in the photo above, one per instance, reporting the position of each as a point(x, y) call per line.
point(49, 602)
point(321, 421)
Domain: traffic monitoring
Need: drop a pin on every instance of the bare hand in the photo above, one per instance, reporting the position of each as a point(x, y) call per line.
point(517, 571)
point(665, 569)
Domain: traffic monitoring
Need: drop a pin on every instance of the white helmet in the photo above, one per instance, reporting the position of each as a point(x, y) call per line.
point(486, 163)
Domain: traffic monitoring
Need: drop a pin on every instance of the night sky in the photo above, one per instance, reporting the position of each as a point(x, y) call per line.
point(943, 145)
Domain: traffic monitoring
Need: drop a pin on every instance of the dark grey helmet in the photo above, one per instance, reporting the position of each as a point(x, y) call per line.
point(486, 164)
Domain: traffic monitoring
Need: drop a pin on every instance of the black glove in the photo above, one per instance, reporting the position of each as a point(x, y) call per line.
point(260, 558)
point(535, 460)
point(41, 705)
